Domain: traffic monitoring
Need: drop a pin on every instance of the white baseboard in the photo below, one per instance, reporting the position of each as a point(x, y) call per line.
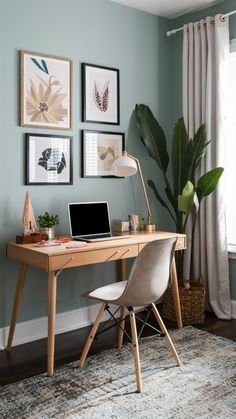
point(70, 320)
point(37, 329)
point(233, 305)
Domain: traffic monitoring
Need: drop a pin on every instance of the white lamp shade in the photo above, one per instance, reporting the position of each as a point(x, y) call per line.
point(124, 166)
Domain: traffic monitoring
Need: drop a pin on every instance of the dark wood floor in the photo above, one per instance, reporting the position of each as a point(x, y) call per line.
point(30, 359)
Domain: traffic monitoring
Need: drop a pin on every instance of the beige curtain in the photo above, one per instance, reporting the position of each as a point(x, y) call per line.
point(205, 51)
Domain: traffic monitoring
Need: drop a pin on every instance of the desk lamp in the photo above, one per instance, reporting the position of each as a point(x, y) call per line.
point(127, 165)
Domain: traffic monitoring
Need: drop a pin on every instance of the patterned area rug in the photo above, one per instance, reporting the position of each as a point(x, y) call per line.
point(203, 387)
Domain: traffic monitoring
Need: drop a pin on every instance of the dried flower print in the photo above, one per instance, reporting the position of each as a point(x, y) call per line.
point(44, 104)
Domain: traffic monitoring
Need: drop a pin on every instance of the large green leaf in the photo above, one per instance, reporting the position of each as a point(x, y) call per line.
point(186, 155)
point(196, 150)
point(208, 182)
point(178, 156)
point(159, 198)
point(152, 136)
point(185, 200)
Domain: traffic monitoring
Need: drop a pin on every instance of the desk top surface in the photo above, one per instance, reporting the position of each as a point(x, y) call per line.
point(133, 238)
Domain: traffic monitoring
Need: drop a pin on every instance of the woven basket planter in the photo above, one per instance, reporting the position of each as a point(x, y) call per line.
point(192, 302)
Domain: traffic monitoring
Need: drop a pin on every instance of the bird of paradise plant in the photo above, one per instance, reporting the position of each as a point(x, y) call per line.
point(183, 196)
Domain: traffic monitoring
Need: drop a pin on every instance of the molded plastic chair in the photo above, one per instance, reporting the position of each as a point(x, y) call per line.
point(146, 284)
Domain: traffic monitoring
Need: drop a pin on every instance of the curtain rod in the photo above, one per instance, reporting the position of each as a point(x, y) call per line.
point(173, 31)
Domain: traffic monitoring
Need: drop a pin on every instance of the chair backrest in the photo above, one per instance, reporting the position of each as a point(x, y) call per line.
point(150, 273)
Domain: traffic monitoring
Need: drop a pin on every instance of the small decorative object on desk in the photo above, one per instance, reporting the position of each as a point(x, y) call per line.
point(31, 233)
point(28, 218)
point(47, 243)
point(119, 225)
point(134, 223)
point(47, 223)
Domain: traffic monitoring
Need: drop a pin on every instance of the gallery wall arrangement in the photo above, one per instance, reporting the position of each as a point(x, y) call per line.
point(46, 91)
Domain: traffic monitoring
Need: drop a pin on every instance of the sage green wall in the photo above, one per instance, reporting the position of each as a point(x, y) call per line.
point(93, 31)
point(176, 65)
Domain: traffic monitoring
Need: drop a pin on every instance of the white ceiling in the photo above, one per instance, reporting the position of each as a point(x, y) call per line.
point(168, 8)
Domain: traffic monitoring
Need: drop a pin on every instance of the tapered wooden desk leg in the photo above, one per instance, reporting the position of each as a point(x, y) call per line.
point(175, 291)
point(123, 309)
point(16, 306)
point(52, 291)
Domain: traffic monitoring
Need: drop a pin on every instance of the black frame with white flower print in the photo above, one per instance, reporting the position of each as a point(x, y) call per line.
point(100, 94)
point(99, 150)
point(45, 91)
point(48, 159)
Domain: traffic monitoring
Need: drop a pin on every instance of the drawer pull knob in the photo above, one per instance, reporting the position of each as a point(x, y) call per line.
point(116, 253)
point(126, 251)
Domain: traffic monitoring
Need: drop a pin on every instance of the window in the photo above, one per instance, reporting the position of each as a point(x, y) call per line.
point(231, 148)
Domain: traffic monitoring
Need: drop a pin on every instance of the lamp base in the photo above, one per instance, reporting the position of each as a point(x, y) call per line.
point(149, 227)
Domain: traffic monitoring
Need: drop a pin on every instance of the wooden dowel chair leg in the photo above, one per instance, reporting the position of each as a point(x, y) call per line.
point(123, 308)
point(92, 335)
point(167, 336)
point(121, 328)
point(135, 348)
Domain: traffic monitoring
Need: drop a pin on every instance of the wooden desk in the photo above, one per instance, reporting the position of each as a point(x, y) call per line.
point(55, 259)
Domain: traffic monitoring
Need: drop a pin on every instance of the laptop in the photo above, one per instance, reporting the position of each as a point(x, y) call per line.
point(90, 221)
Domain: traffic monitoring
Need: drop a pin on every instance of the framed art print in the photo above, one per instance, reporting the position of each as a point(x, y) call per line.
point(99, 151)
point(46, 91)
point(48, 160)
point(101, 96)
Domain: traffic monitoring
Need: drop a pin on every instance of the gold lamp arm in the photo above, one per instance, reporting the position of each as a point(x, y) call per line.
point(149, 226)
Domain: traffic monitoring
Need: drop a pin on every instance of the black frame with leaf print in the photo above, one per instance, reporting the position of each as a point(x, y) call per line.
point(96, 163)
point(100, 94)
point(48, 159)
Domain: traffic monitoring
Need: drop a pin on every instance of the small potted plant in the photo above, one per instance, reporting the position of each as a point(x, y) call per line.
point(47, 223)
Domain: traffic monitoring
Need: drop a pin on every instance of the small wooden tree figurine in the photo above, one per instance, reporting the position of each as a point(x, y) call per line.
point(28, 218)
point(31, 233)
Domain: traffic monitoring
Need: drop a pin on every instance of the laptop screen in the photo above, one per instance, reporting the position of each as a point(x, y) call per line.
point(89, 218)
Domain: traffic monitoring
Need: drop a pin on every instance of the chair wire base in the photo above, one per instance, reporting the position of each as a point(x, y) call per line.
point(144, 322)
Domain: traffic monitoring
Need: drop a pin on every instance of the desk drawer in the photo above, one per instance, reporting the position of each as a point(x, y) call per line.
point(93, 256)
point(181, 244)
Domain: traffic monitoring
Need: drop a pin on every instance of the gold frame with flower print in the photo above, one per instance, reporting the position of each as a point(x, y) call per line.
point(45, 91)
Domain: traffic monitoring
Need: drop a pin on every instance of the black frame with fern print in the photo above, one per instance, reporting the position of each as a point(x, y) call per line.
point(100, 94)
point(48, 159)
point(99, 149)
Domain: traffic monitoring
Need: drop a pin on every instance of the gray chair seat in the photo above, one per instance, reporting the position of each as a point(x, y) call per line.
point(108, 293)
